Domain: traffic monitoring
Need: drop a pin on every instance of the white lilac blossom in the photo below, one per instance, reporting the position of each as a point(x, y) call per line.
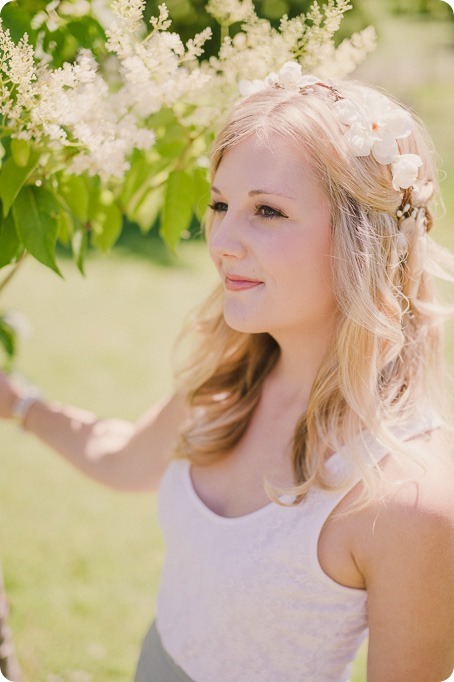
point(74, 107)
point(251, 54)
point(17, 68)
point(230, 12)
point(67, 108)
point(90, 120)
point(48, 16)
point(158, 70)
point(162, 22)
point(130, 13)
point(338, 62)
point(74, 8)
point(259, 49)
point(316, 50)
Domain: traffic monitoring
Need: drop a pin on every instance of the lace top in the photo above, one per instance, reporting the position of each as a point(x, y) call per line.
point(245, 599)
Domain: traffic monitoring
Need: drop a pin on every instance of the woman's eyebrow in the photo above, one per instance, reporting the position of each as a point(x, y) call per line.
point(254, 192)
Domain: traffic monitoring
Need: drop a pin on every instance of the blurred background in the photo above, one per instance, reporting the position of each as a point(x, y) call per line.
point(81, 563)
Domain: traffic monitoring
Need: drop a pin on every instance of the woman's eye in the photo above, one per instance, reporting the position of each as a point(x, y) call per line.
point(218, 206)
point(268, 212)
point(261, 210)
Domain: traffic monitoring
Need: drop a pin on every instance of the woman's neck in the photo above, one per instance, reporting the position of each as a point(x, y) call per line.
point(293, 376)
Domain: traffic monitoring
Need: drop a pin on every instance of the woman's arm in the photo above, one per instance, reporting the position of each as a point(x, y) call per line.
point(114, 452)
point(407, 559)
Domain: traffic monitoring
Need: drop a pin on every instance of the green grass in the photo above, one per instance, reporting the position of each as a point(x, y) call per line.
point(81, 562)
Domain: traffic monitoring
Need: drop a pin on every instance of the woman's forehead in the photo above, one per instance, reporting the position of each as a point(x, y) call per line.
point(274, 163)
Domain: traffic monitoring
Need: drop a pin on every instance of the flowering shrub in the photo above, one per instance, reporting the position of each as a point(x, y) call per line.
point(124, 127)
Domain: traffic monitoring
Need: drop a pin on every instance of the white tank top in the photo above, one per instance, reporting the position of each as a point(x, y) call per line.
point(245, 599)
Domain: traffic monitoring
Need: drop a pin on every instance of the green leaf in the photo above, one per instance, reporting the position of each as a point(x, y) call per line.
point(170, 149)
point(139, 179)
point(164, 118)
point(201, 192)
point(61, 45)
point(17, 20)
point(86, 31)
point(94, 196)
point(171, 141)
point(74, 191)
point(135, 177)
point(13, 178)
point(106, 223)
point(8, 340)
point(147, 210)
point(79, 243)
point(20, 149)
point(10, 246)
point(35, 213)
point(177, 209)
point(65, 227)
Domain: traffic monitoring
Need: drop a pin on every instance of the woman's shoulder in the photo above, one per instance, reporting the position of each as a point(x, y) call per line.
point(410, 519)
point(415, 507)
point(406, 557)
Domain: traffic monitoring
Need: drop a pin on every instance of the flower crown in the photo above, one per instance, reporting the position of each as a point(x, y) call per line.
point(373, 126)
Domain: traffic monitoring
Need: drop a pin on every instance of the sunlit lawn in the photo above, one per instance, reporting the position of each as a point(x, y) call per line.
point(81, 562)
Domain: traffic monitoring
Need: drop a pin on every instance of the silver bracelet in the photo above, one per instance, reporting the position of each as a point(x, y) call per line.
point(23, 404)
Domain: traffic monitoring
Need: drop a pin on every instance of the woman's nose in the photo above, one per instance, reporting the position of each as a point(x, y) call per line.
point(226, 238)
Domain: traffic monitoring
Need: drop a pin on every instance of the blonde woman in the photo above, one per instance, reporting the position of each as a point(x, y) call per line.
point(304, 469)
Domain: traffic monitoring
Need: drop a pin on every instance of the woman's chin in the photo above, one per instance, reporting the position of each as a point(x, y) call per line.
point(244, 324)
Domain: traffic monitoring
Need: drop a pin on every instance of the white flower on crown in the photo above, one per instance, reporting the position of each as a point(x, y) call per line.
point(247, 88)
point(289, 77)
point(375, 127)
point(405, 170)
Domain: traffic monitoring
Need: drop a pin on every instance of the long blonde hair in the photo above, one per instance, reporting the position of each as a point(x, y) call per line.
point(387, 354)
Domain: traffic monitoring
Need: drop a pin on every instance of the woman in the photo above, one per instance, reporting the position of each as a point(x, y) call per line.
point(309, 499)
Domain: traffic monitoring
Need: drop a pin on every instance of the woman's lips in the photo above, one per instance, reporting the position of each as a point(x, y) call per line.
point(238, 283)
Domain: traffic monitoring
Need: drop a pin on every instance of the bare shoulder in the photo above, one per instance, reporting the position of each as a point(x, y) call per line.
point(414, 499)
point(405, 552)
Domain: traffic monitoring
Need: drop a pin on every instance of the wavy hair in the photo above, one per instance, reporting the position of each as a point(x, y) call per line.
point(386, 357)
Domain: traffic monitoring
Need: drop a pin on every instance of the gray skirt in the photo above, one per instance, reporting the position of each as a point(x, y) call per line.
point(155, 664)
